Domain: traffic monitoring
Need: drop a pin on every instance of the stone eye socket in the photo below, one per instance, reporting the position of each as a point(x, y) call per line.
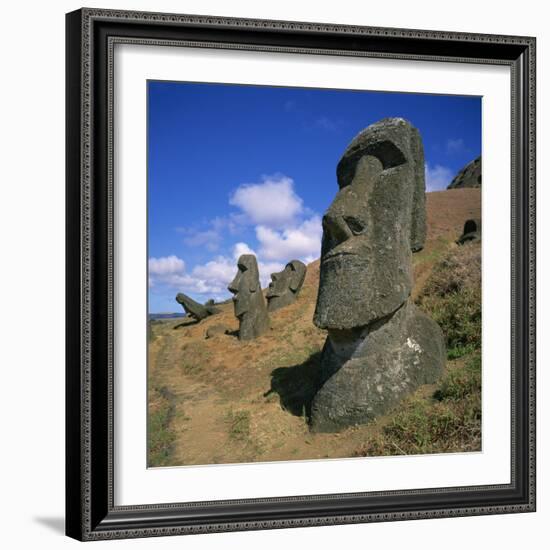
point(242, 267)
point(355, 226)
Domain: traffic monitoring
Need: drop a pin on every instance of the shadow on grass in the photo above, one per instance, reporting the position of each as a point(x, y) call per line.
point(297, 385)
point(187, 323)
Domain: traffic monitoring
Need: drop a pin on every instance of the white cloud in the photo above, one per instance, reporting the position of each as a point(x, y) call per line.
point(210, 239)
point(210, 279)
point(437, 177)
point(272, 203)
point(302, 242)
point(165, 266)
point(266, 269)
point(326, 123)
point(213, 276)
point(455, 146)
point(241, 248)
point(277, 214)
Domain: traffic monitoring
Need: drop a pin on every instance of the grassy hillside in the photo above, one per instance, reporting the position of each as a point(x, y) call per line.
point(218, 400)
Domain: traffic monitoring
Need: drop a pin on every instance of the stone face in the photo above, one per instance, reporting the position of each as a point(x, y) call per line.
point(380, 347)
point(194, 309)
point(368, 232)
point(249, 303)
point(469, 176)
point(471, 232)
point(285, 285)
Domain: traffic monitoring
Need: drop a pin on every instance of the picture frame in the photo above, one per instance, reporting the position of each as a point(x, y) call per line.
point(91, 511)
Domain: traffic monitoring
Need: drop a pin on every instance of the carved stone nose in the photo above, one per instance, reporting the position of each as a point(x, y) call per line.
point(336, 228)
point(233, 288)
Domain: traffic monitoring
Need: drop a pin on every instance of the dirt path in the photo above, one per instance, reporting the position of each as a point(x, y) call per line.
point(258, 416)
point(198, 417)
point(235, 401)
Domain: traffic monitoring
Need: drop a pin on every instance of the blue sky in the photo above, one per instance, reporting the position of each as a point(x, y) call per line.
point(235, 169)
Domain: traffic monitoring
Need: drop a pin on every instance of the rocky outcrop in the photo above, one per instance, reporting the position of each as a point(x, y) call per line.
point(469, 176)
point(379, 346)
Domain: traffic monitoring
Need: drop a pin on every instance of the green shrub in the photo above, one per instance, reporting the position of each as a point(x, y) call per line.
point(448, 422)
point(160, 438)
point(452, 298)
point(239, 425)
point(461, 382)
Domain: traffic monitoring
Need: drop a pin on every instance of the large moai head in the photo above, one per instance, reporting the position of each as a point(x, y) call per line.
point(285, 285)
point(248, 299)
point(376, 220)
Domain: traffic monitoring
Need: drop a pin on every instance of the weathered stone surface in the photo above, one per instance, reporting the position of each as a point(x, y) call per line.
point(249, 302)
point(285, 285)
point(194, 309)
point(471, 232)
point(216, 330)
point(379, 346)
point(369, 371)
point(469, 176)
point(368, 230)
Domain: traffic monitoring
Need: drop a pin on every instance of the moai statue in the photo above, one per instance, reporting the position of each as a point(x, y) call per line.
point(379, 347)
point(285, 285)
point(194, 309)
point(249, 302)
point(472, 232)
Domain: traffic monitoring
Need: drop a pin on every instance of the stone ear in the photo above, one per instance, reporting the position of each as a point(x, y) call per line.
point(418, 210)
point(254, 278)
point(298, 276)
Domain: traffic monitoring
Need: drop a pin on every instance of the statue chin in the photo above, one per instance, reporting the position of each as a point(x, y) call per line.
point(239, 308)
point(347, 306)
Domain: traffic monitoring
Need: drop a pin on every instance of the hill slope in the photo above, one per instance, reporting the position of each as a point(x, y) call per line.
point(218, 400)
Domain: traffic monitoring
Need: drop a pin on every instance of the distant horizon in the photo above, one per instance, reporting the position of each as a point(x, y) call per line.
point(236, 169)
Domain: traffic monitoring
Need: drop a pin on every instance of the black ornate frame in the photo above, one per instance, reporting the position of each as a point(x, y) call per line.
point(90, 510)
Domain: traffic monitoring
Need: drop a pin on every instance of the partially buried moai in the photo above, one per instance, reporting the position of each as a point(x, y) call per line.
point(194, 309)
point(285, 285)
point(379, 347)
point(471, 232)
point(248, 299)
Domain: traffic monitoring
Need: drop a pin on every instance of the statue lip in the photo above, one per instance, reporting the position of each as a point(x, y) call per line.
point(336, 254)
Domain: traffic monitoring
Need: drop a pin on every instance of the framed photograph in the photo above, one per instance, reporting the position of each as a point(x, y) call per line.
point(300, 274)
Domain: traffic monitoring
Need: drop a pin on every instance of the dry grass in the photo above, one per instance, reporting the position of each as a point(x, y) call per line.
point(452, 297)
point(160, 437)
point(235, 401)
point(448, 421)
